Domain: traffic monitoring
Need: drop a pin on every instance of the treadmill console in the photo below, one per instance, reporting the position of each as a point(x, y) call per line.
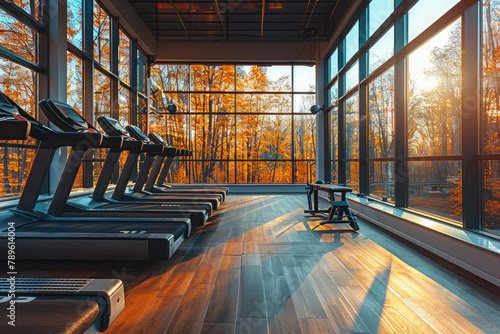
point(137, 133)
point(112, 127)
point(156, 138)
point(64, 116)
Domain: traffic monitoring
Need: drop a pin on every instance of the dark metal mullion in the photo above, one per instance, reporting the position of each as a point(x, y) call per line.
point(11, 55)
point(293, 130)
point(363, 106)
point(115, 81)
point(134, 95)
point(88, 84)
point(471, 194)
point(23, 16)
point(435, 158)
point(341, 122)
point(400, 104)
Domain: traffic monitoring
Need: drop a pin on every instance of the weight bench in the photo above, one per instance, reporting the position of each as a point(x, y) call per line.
point(338, 210)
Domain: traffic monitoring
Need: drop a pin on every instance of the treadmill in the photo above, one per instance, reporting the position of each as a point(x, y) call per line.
point(67, 119)
point(119, 194)
point(159, 187)
point(42, 236)
point(52, 305)
point(215, 199)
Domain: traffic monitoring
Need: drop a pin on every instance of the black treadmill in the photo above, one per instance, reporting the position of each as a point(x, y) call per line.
point(52, 305)
point(67, 119)
point(154, 186)
point(119, 192)
point(41, 236)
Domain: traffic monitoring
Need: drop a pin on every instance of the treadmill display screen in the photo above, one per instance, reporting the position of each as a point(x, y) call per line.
point(71, 114)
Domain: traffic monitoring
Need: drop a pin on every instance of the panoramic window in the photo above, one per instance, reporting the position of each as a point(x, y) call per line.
point(352, 141)
point(334, 143)
point(333, 67)
point(102, 26)
point(17, 37)
point(381, 135)
point(351, 77)
point(31, 7)
point(435, 123)
point(255, 131)
point(352, 42)
point(382, 50)
point(102, 107)
point(75, 23)
point(19, 83)
point(378, 12)
point(75, 82)
point(124, 58)
point(420, 17)
point(490, 114)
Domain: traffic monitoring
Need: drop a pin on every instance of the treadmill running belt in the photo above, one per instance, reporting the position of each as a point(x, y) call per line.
point(47, 315)
point(103, 227)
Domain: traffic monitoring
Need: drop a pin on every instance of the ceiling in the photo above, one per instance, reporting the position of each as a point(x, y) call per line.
point(241, 20)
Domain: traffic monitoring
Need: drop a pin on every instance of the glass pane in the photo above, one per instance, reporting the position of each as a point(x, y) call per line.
point(19, 83)
point(171, 77)
point(177, 130)
point(214, 172)
point(381, 116)
point(491, 195)
point(17, 36)
point(334, 134)
point(435, 95)
point(351, 77)
point(142, 111)
point(15, 165)
point(305, 137)
point(264, 103)
point(436, 187)
point(379, 11)
point(124, 103)
point(382, 180)
point(124, 58)
point(302, 103)
point(264, 172)
point(141, 71)
point(31, 7)
point(352, 127)
point(255, 78)
point(214, 78)
point(352, 42)
point(102, 107)
point(333, 65)
point(382, 50)
point(101, 36)
point(265, 137)
point(75, 82)
point(102, 95)
point(75, 22)
point(491, 72)
point(213, 136)
point(352, 175)
point(424, 13)
point(333, 93)
point(335, 173)
point(304, 78)
point(212, 103)
point(181, 101)
point(179, 172)
point(304, 171)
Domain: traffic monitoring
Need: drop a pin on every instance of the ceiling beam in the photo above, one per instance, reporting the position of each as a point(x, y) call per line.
point(221, 20)
point(180, 19)
point(262, 21)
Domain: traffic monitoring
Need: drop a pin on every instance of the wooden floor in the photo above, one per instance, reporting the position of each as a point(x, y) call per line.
point(262, 266)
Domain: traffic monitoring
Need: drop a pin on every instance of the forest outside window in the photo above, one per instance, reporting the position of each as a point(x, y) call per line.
point(75, 23)
point(246, 123)
point(101, 35)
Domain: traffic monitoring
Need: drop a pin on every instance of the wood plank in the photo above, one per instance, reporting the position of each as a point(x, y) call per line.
point(189, 316)
point(316, 326)
point(160, 313)
point(223, 304)
point(217, 329)
point(281, 314)
point(251, 295)
point(207, 270)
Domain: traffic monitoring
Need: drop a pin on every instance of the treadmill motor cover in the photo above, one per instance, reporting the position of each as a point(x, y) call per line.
point(137, 133)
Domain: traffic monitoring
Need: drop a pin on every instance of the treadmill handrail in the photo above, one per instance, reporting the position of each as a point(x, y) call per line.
point(111, 142)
